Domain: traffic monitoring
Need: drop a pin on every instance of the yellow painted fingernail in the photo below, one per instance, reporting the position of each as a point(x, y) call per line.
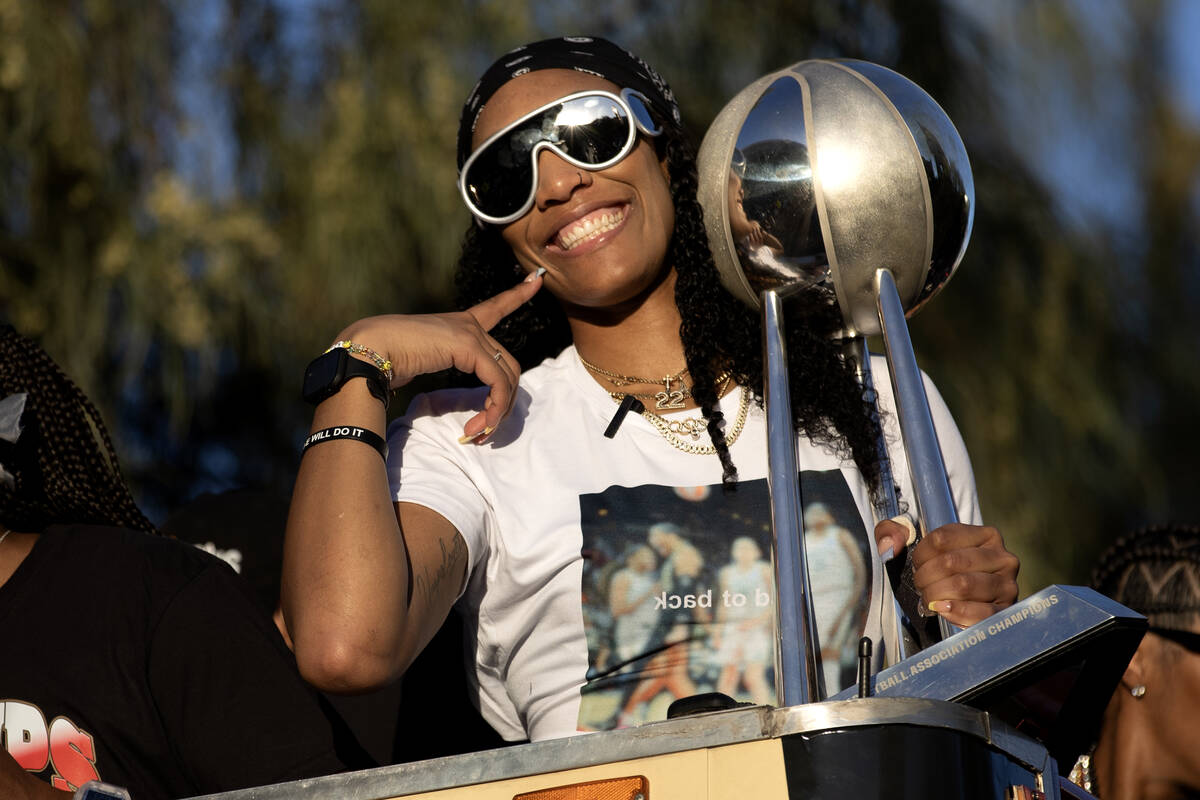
point(472, 437)
point(940, 606)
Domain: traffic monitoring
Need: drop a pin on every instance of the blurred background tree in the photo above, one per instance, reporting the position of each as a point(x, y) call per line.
point(195, 196)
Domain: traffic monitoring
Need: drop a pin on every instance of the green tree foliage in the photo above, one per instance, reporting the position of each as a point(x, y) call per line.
point(184, 258)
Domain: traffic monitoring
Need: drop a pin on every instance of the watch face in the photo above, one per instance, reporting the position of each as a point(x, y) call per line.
point(323, 376)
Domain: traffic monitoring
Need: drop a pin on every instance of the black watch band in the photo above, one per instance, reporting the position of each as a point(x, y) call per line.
point(327, 374)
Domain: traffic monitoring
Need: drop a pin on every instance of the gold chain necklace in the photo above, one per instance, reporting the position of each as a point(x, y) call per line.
point(673, 429)
point(682, 394)
point(663, 400)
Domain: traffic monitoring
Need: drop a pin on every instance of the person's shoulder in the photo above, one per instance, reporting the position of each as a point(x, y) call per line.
point(126, 573)
point(881, 379)
point(128, 550)
point(444, 401)
point(553, 370)
point(559, 378)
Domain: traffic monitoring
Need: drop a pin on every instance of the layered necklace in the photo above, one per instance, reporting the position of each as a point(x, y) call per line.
point(663, 401)
point(683, 434)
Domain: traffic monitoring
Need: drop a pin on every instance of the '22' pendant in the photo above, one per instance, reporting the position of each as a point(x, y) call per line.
point(666, 400)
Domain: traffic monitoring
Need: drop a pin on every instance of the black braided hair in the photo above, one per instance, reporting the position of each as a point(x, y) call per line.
point(1156, 572)
point(63, 465)
point(719, 332)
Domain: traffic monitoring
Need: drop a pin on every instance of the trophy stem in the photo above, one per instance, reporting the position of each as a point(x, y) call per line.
point(886, 506)
point(935, 504)
point(798, 677)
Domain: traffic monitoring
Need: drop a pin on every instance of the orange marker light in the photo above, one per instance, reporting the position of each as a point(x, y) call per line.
point(635, 787)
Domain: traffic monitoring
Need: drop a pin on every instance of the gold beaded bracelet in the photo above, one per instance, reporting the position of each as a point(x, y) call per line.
point(384, 365)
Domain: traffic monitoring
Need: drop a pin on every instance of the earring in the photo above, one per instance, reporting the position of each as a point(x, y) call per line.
point(1138, 691)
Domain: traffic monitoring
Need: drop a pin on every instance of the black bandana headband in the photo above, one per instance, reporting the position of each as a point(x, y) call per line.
point(592, 55)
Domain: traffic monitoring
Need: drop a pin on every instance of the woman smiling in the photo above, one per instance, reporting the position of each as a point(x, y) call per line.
point(621, 393)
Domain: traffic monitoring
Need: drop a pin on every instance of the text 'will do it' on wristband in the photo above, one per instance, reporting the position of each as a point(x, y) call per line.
point(346, 432)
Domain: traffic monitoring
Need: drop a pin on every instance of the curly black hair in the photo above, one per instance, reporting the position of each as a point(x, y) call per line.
point(63, 467)
point(719, 332)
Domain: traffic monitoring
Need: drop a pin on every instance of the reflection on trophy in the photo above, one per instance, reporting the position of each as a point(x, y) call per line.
point(850, 168)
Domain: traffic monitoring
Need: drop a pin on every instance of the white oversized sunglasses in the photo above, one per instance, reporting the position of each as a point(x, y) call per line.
point(592, 130)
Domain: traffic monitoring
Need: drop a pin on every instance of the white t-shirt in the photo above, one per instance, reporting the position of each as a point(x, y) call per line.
point(550, 510)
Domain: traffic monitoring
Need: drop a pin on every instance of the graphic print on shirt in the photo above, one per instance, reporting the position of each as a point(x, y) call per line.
point(678, 593)
point(59, 745)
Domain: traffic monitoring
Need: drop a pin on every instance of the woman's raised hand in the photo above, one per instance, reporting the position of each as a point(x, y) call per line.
point(367, 581)
point(419, 344)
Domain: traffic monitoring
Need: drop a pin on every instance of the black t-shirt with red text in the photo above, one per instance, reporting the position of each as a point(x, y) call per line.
point(141, 661)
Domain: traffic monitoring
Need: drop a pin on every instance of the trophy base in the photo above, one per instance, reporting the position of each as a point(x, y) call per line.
point(1046, 665)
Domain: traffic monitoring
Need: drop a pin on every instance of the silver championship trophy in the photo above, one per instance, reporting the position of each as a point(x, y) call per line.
point(845, 176)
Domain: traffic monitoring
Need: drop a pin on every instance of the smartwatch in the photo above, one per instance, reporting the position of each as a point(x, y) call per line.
point(328, 373)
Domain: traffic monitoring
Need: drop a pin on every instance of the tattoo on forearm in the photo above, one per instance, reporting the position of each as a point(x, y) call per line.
point(427, 583)
point(408, 568)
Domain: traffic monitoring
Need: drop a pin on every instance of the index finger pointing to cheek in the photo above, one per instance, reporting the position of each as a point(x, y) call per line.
point(488, 313)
